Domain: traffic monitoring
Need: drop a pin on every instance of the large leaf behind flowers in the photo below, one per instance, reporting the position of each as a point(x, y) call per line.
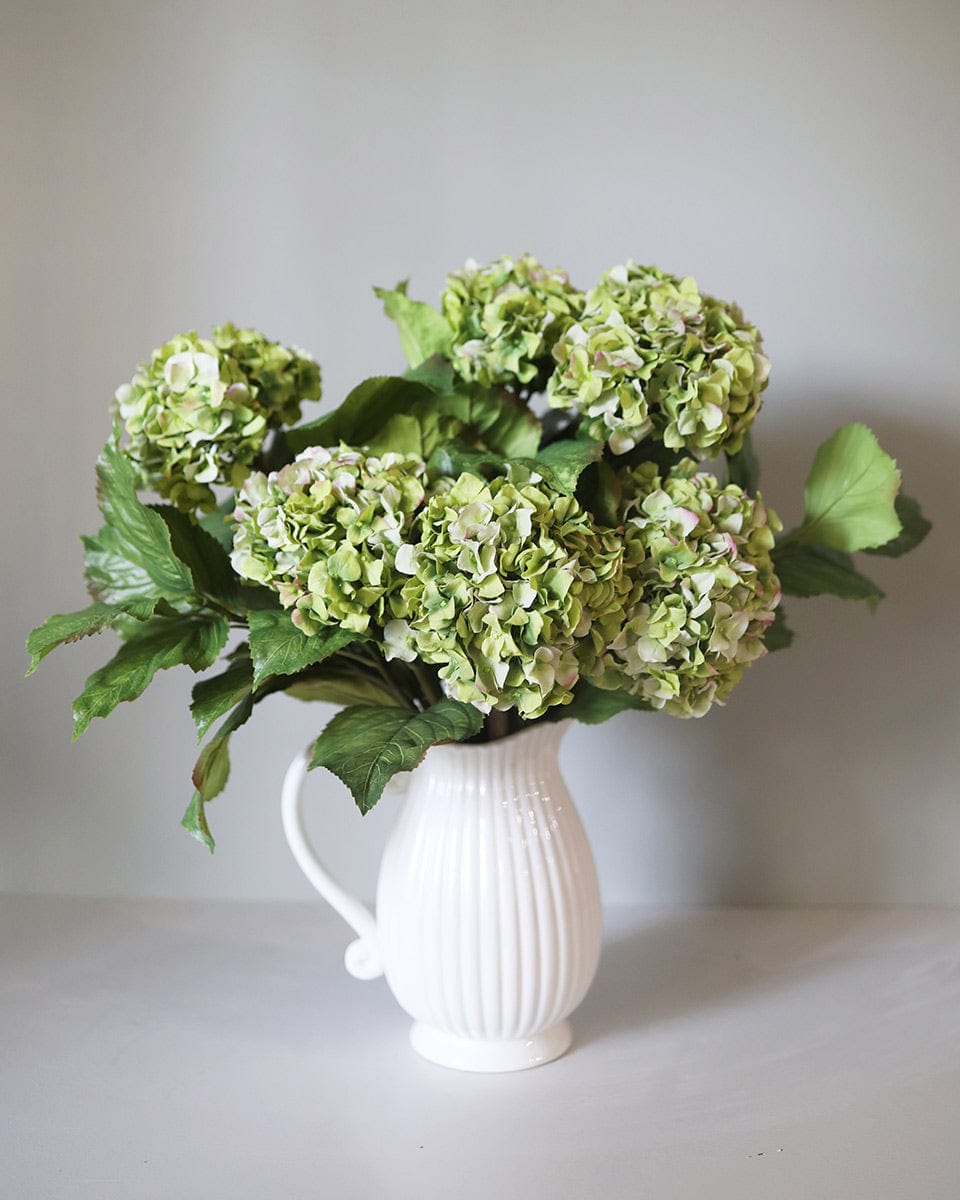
point(278, 647)
point(365, 746)
point(132, 556)
point(850, 493)
point(423, 331)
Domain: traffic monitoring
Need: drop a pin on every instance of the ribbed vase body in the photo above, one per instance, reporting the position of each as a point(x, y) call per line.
point(488, 909)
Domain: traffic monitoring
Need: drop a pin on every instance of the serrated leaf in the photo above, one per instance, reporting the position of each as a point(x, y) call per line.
point(423, 331)
point(160, 644)
point(849, 496)
point(362, 414)
point(914, 527)
point(278, 647)
point(195, 822)
point(743, 468)
point(205, 558)
point(366, 745)
point(70, 627)
point(211, 771)
point(592, 705)
point(820, 571)
point(497, 420)
point(214, 698)
point(779, 635)
point(132, 555)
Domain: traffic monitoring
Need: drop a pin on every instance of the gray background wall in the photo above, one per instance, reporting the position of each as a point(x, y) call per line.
point(168, 166)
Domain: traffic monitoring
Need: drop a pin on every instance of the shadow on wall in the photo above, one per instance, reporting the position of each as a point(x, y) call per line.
point(831, 776)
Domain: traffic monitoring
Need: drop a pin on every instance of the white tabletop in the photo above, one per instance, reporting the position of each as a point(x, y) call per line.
point(171, 1051)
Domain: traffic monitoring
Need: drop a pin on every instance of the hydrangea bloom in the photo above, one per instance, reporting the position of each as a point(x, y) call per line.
point(650, 354)
point(198, 412)
point(506, 318)
point(512, 592)
point(324, 532)
point(706, 590)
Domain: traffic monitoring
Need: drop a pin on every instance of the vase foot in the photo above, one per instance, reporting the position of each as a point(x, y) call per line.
point(473, 1054)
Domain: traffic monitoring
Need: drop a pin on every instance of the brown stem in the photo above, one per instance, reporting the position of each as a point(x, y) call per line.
point(498, 725)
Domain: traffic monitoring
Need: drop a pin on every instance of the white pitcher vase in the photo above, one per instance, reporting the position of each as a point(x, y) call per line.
point(488, 909)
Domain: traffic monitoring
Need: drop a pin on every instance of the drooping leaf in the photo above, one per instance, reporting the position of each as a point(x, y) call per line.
point(592, 705)
point(132, 554)
point(362, 414)
point(366, 745)
point(214, 698)
point(161, 643)
point(914, 527)
point(423, 331)
point(850, 493)
point(211, 771)
point(278, 647)
point(206, 559)
point(820, 571)
point(70, 627)
point(195, 822)
point(743, 468)
point(779, 635)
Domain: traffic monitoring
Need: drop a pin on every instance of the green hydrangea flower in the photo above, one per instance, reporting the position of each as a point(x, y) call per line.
point(324, 532)
point(198, 412)
point(651, 355)
point(512, 593)
point(506, 318)
point(699, 555)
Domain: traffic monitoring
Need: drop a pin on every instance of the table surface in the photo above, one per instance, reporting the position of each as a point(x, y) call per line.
point(178, 1050)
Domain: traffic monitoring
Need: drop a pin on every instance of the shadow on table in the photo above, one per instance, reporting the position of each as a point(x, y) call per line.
point(702, 959)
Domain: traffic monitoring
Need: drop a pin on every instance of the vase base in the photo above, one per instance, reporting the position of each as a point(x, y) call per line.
point(474, 1054)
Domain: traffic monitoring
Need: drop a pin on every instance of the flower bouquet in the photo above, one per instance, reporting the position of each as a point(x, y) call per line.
point(554, 512)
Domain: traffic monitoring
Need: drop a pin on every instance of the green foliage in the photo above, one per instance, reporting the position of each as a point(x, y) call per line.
point(592, 705)
point(343, 683)
point(366, 745)
point(743, 468)
point(820, 571)
point(203, 554)
point(560, 464)
point(211, 772)
point(278, 647)
point(213, 698)
point(779, 635)
point(71, 627)
point(132, 557)
point(423, 331)
point(914, 527)
point(850, 493)
point(361, 416)
point(161, 643)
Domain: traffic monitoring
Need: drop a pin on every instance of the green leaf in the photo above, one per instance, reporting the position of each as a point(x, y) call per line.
point(206, 559)
point(562, 463)
point(592, 705)
point(436, 373)
point(70, 627)
point(362, 414)
point(423, 331)
point(365, 746)
point(743, 468)
point(195, 822)
point(211, 772)
point(341, 683)
point(497, 420)
point(779, 635)
point(914, 527)
point(132, 555)
point(213, 698)
point(820, 571)
point(161, 643)
point(850, 493)
point(217, 524)
point(278, 647)
point(600, 491)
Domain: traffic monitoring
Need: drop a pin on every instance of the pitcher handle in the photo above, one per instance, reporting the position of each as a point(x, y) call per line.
point(362, 957)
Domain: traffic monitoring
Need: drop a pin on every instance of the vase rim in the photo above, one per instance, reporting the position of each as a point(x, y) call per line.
point(541, 728)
